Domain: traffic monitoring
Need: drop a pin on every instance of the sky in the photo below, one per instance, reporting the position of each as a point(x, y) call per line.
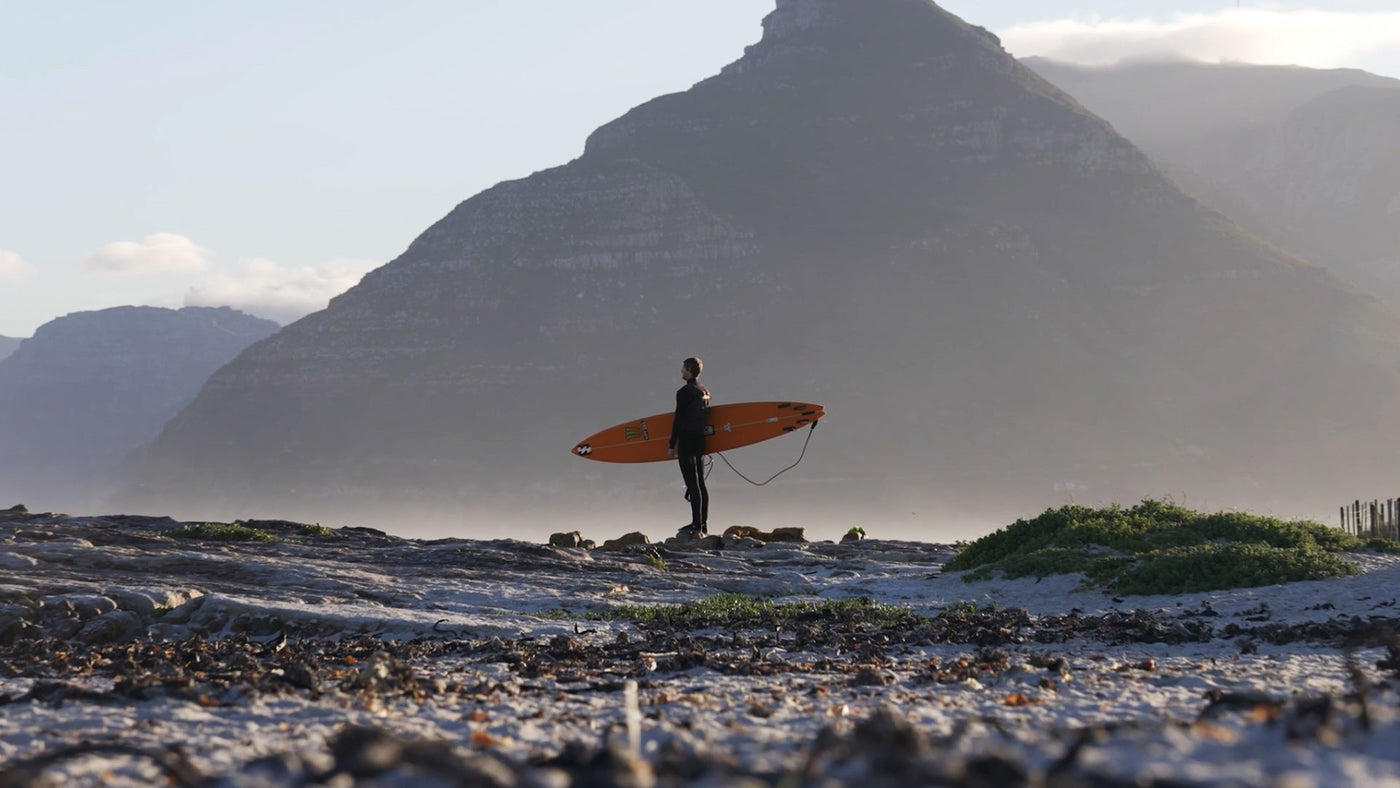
point(266, 154)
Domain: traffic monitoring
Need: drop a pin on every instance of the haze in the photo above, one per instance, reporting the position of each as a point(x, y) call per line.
point(983, 350)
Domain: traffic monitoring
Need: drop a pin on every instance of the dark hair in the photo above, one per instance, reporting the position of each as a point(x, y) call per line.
point(693, 364)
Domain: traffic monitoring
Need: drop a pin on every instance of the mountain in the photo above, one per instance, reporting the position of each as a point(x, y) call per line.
point(8, 345)
point(1001, 302)
point(1306, 158)
point(90, 388)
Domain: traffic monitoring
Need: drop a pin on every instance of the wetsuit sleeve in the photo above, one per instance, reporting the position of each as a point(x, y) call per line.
point(676, 420)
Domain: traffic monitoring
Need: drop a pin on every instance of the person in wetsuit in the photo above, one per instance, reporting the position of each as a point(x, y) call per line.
point(688, 445)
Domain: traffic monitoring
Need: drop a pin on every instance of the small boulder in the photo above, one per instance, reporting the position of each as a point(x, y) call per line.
point(625, 541)
point(17, 561)
point(743, 531)
point(113, 627)
point(788, 535)
point(570, 539)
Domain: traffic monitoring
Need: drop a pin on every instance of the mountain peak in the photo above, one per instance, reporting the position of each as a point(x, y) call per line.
point(803, 18)
point(860, 33)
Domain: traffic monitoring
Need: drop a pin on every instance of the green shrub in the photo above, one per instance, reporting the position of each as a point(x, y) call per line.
point(222, 532)
point(1161, 548)
point(1384, 546)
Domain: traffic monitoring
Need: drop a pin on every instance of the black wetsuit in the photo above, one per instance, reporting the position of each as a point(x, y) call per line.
point(688, 441)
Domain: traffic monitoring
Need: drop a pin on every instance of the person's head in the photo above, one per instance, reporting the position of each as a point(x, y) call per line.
point(690, 368)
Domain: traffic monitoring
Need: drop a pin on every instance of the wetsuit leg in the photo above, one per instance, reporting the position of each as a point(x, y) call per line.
point(692, 472)
point(704, 493)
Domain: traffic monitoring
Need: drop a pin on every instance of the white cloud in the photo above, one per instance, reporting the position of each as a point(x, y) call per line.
point(1318, 39)
point(263, 288)
point(161, 253)
point(12, 267)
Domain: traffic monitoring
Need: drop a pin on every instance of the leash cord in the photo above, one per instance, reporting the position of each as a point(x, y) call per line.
point(810, 430)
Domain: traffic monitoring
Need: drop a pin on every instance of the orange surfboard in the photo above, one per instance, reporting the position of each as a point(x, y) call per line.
point(728, 427)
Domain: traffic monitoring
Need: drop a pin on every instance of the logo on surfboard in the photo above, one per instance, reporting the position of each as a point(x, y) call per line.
point(639, 432)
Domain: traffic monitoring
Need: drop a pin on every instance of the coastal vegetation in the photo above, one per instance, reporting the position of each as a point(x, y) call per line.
point(1158, 547)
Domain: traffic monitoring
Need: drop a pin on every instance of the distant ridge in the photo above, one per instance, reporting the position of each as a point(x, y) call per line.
point(8, 345)
point(1304, 157)
point(1001, 301)
point(90, 388)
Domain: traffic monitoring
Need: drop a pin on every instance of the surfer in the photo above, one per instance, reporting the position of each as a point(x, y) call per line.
point(688, 445)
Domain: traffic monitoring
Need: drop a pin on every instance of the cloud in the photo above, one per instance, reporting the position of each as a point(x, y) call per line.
point(12, 267)
point(161, 253)
point(263, 288)
point(1318, 39)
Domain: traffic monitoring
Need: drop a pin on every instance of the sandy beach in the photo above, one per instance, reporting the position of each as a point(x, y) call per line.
point(351, 656)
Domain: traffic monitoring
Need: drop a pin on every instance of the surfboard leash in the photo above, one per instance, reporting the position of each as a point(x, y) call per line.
point(810, 430)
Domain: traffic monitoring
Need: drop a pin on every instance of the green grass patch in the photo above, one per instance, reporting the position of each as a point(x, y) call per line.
point(1161, 548)
point(315, 529)
point(739, 610)
point(221, 532)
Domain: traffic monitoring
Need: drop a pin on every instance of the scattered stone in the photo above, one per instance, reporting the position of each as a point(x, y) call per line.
point(113, 627)
point(795, 535)
point(625, 541)
point(741, 532)
point(570, 539)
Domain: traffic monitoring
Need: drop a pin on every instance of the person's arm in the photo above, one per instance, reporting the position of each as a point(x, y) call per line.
point(676, 420)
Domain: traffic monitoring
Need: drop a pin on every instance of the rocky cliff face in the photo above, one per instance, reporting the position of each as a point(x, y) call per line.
point(996, 296)
point(1306, 158)
point(90, 388)
point(8, 345)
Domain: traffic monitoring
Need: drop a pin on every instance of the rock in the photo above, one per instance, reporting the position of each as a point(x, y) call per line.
point(854, 535)
point(741, 531)
point(137, 602)
point(14, 629)
point(181, 614)
point(625, 541)
point(83, 606)
point(112, 627)
point(788, 535)
point(870, 677)
point(570, 539)
point(795, 535)
point(18, 508)
point(16, 561)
